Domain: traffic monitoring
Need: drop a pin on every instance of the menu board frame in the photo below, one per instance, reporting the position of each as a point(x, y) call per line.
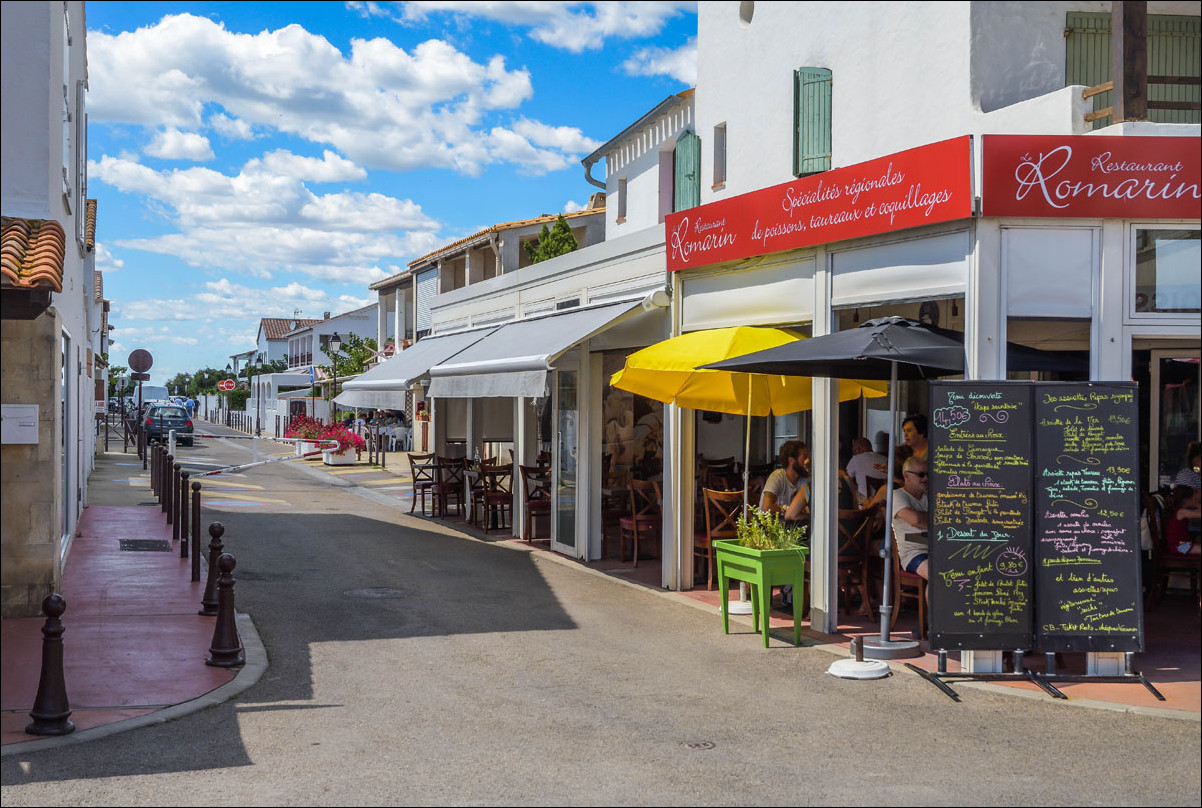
point(1072, 534)
point(981, 562)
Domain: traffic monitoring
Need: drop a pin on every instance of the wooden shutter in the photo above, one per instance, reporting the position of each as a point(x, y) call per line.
point(1173, 50)
point(812, 120)
point(688, 171)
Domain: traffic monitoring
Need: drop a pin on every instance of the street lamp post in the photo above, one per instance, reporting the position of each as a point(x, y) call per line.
point(229, 369)
point(259, 395)
point(334, 345)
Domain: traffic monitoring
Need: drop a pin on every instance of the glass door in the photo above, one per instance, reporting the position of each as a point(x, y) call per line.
point(563, 505)
point(1175, 421)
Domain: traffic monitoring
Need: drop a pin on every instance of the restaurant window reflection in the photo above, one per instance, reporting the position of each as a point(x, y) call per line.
point(632, 429)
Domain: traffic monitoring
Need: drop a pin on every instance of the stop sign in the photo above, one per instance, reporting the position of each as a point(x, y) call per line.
point(225, 384)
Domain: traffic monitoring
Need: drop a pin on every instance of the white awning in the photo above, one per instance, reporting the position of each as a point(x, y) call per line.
point(397, 374)
point(514, 360)
point(372, 399)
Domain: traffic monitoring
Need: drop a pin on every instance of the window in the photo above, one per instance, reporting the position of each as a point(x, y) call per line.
point(687, 169)
point(1166, 271)
point(719, 156)
point(621, 200)
point(811, 120)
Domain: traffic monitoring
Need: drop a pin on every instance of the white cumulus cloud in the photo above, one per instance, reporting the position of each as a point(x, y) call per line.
point(678, 63)
point(381, 106)
point(172, 144)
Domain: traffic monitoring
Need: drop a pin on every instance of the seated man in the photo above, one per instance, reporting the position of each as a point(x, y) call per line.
point(910, 517)
point(865, 463)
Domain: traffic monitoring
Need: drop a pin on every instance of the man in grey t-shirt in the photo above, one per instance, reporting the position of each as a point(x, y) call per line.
point(782, 487)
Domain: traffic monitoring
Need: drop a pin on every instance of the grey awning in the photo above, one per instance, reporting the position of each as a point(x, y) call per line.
point(513, 361)
point(400, 372)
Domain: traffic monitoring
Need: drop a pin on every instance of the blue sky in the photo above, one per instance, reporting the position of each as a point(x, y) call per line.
point(259, 159)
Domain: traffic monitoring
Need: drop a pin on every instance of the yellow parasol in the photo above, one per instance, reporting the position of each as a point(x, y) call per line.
point(667, 372)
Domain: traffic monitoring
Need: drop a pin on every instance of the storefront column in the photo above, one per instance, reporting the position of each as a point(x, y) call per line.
point(678, 487)
point(824, 459)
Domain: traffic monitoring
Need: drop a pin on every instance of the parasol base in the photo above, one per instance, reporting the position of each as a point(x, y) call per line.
point(877, 648)
point(858, 669)
point(738, 607)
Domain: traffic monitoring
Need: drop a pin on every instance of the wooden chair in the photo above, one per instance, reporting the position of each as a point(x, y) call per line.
point(450, 484)
point(422, 471)
point(646, 518)
point(722, 509)
point(498, 495)
point(908, 586)
point(1165, 563)
point(855, 572)
point(615, 503)
point(536, 496)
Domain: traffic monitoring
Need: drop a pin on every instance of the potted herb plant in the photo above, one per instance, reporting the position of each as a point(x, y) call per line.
point(767, 553)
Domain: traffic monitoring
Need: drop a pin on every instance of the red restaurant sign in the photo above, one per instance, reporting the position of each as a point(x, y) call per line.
point(1094, 177)
point(929, 184)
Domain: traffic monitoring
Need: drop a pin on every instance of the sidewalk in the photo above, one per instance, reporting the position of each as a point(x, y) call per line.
point(137, 645)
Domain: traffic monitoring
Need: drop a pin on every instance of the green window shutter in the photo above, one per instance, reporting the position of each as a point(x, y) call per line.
point(688, 171)
point(812, 120)
point(1173, 50)
point(1087, 55)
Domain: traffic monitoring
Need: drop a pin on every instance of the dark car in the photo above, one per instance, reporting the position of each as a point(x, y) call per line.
point(160, 419)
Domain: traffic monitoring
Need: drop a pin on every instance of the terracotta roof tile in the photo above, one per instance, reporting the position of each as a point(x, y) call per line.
point(89, 240)
point(31, 253)
point(276, 327)
point(498, 228)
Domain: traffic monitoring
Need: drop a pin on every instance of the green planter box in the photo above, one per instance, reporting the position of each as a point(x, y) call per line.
point(762, 570)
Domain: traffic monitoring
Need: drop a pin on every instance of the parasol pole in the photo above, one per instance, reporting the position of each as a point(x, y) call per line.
point(744, 604)
point(887, 544)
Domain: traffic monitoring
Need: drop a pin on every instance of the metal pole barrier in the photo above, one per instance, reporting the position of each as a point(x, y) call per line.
point(195, 532)
point(183, 514)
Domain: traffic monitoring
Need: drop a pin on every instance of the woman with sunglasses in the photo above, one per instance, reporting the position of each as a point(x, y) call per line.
point(910, 517)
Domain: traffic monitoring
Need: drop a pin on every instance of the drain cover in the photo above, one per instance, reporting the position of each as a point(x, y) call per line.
point(375, 592)
point(699, 745)
point(152, 545)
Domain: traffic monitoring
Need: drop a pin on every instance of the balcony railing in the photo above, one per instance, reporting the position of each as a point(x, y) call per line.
point(1106, 112)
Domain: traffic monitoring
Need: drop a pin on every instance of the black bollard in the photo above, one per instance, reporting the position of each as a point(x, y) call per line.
point(173, 501)
point(208, 601)
point(183, 514)
point(51, 707)
point(226, 649)
point(195, 532)
point(165, 483)
point(154, 470)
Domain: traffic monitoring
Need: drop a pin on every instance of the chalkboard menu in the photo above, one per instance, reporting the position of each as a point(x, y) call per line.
point(1088, 554)
point(981, 568)
point(1034, 516)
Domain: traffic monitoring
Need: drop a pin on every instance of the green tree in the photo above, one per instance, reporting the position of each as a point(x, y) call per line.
point(553, 242)
point(353, 359)
point(115, 372)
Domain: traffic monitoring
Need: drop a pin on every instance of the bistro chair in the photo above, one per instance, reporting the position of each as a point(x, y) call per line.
point(449, 486)
point(498, 495)
point(421, 468)
point(615, 504)
point(908, 586)
point(536, 497)
point(645, 520)
point(1165, 563)
point(855, 542)
point(722, 509)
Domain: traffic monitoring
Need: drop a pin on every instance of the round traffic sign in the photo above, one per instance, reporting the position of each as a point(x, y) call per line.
point(225, 384)
point(140, 361)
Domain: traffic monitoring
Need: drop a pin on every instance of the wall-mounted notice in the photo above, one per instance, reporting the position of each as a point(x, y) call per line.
point(1087, 541)
point(981, 562)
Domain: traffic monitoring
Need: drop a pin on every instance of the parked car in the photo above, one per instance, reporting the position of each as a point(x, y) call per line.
point(160, 419)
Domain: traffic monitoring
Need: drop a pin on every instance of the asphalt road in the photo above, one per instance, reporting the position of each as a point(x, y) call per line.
point(410, 665)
